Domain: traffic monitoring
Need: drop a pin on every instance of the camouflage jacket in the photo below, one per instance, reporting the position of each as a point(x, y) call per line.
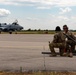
point(59, 37)
point(70, 34)
point(70, 38)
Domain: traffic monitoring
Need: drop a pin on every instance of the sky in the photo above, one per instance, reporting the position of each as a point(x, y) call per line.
point(39, 14)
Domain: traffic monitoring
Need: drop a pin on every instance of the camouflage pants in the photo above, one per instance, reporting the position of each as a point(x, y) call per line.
point(70, 45)
point(61, 47)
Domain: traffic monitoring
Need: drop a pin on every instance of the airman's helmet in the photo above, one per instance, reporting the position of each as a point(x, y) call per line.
point(57, 28)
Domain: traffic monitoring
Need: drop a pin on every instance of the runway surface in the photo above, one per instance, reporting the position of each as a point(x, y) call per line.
point(23, 51)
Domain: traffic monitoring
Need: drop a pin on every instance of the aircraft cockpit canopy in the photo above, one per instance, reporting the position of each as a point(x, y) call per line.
point(14, 23)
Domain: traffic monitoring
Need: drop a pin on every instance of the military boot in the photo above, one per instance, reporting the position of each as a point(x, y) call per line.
point(53, 54)
point(61, 51)
point(70, 55)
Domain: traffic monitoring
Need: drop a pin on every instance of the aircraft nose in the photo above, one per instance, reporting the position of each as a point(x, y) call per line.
point(21, 27)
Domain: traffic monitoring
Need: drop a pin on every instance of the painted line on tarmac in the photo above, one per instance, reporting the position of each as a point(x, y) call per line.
point(24, 47)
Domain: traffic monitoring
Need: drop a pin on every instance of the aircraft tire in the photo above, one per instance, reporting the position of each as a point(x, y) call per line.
point(10, 32)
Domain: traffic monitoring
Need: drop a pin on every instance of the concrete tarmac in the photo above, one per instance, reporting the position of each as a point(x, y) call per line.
point(23, 52)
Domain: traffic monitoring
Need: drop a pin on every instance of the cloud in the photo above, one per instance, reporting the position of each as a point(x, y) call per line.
point(39, 3)
point(4, 12)
point(65, 10)
point(63, 18)
point(52, 2)
point(65, 3)
point(32, 19)
point(43, 7)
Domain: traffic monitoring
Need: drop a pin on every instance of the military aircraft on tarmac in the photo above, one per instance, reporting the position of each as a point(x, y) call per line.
point(14, 27)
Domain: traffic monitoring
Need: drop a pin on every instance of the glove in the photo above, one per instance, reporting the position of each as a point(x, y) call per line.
point(66, 39)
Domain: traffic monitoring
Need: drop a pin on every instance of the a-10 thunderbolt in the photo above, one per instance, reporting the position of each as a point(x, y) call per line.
point(14, 27)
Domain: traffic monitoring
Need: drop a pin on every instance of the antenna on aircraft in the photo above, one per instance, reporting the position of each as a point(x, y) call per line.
point(16, 21)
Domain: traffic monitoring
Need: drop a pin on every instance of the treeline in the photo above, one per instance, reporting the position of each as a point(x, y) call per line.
point(39, 31)
point(43, 30)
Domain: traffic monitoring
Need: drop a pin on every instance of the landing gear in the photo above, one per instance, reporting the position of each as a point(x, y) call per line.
point(10, 32)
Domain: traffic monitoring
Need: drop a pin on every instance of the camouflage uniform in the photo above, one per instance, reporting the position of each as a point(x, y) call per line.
point(69, 42)
point(58, 42)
